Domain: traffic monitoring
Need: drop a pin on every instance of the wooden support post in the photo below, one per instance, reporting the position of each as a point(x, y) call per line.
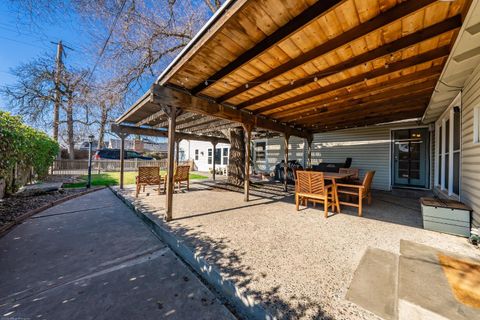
point(177, 151)
point(309, 151)
point(248, 137)
point(214, 144)
point(122, 136)
point(172, 113)
point(285, 168)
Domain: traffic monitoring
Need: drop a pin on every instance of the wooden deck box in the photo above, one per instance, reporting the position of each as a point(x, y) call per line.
point(448, 216)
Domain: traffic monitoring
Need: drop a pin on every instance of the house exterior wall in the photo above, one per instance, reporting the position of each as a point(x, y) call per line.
point(369, 148)
point(187, 152)
point(470, 164)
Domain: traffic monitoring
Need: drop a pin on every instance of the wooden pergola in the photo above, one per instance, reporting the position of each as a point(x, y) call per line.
point(299, 67)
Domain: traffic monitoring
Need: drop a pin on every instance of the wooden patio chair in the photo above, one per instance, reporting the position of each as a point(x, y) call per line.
point(361, 191)
point(310, 186)
point(148, 176)
point(355, 173)
point(182, 174)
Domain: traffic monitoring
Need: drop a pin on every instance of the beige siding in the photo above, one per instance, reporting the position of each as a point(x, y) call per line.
point(470, 183)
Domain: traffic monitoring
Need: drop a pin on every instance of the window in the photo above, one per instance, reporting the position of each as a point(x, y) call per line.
point(225, 156)
point(476, 125)
point(218, 156)
point(260, 147)
point(209, 158)
point(449, 148)
point(196, 154)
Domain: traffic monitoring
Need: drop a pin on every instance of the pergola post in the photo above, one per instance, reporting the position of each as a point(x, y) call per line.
point(214, 144)
point(172, 113)
point(177, 151)
point(309, 151)
point(122, 157)
point(285, 168)
point(248, 137)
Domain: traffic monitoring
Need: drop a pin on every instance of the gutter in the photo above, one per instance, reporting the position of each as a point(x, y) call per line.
point(195, 39)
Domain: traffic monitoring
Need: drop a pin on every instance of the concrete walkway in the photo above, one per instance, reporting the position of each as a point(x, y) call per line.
point(91, 257)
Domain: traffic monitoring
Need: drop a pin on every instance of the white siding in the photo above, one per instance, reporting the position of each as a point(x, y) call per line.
point(368, 147)
point(470, 168)
point(275, 148)
point(188, 147)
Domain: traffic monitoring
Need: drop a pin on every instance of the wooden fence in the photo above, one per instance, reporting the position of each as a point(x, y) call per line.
point(74, 167)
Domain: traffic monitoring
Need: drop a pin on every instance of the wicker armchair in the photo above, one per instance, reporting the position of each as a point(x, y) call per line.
point(182, 174)
point(361, 191)
point(310, 186)
point(148, 176)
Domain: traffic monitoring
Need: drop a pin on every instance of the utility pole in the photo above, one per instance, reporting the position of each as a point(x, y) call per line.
point(58, 94)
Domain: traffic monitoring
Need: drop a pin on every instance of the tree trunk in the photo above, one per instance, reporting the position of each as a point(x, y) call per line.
point(70, 135)
point(103, 123)
point(236, 160)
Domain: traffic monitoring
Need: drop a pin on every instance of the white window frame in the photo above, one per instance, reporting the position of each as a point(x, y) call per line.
point(265, 151)
point(448, 115)
point(476, 124)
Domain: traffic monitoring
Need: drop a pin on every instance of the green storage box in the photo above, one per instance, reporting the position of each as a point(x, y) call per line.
point(448, 216)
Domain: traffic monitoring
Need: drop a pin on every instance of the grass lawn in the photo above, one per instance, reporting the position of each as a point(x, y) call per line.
point(113, 178)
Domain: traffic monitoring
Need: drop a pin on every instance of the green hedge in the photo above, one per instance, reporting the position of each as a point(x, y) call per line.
point(24, 146)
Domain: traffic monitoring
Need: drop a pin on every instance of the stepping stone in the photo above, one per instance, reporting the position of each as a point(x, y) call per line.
point(426, 291)
point(374, 284)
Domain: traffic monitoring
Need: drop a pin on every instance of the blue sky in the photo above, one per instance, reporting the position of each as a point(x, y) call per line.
point(20, 42)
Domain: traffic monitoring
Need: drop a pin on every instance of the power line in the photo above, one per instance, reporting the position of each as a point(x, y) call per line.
point(112, 27)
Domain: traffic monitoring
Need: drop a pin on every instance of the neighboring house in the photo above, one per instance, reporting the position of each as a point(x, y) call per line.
point(440, 152)
point(143, 145)
point(85, 145)
point(201, 152)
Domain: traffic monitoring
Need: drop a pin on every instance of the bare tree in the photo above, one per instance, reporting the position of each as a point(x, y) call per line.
point(33, 96)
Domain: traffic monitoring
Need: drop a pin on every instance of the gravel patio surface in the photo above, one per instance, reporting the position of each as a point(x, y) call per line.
point(299, 265)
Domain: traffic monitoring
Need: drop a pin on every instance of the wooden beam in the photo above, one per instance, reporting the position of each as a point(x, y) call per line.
point(309, 142)
point(190, 103)
point(172, 114)
point(396, 66)
point(394, 46)
point(153, 117)
point(246, 182)
point(205, 127)
point(409, 106)
point(433, 72)
point(285, 159)
point(361, 30)
point(344, 106)
point(218, 127)
point(350, 111)
point(198, 122)
point(120, 128)
point(180, 119)
point(122, 136)
point(300, 21)
point(367, 121)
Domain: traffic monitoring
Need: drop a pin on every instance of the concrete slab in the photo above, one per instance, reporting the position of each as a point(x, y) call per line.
point(38, 188)
point(424, 292)
point(91, 257)
point(374, 284)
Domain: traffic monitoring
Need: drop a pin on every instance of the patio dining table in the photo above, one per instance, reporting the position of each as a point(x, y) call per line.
point(334, 176)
